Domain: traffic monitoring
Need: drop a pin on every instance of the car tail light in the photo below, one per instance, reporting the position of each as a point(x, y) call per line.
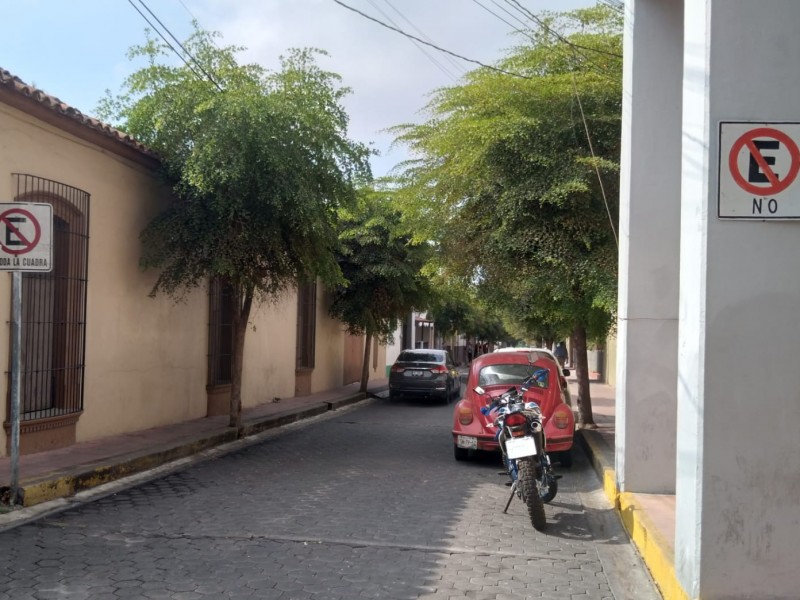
point(397, 369)
point(439, 369)
point(561, 419)
point(465, 415)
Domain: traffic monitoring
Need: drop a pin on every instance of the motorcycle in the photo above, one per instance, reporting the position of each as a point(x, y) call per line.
point(520, 433)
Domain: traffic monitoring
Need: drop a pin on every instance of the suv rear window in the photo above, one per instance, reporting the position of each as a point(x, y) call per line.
point(434, 357)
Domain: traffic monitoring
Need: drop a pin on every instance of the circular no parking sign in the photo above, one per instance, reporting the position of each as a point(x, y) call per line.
point(752, 167)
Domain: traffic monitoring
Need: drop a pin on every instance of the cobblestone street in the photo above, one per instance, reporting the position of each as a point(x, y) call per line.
point(364, 503)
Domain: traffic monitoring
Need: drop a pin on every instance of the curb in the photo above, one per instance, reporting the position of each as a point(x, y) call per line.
point(62, 484)
point(653, 548)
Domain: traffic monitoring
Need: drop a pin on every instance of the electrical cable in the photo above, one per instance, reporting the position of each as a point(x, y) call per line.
point(430, 57)
point(602, 72)
point(491, 12)
point(189, 54)
point(171, 47)
point(596, 168)
point(439, 48)
point(552, 31)
point(447, 57)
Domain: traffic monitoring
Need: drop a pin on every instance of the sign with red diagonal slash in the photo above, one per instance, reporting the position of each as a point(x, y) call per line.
point(757, 170)
point(26, 233)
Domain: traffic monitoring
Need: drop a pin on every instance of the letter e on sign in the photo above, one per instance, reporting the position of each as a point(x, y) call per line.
point(26, 236)
point(757, 171)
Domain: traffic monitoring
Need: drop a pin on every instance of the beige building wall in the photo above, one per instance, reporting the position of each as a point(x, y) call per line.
point(145, 357)
point(329, 364)
point(269, 351)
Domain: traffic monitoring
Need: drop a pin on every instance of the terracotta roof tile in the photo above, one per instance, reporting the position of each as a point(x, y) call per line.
point(15, 84)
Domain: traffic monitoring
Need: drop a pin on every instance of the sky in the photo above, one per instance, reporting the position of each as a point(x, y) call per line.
point(76, 49)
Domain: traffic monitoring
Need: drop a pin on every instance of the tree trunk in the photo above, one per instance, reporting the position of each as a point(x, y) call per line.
point(585, 418)
point(365, 366)
point(242, 301)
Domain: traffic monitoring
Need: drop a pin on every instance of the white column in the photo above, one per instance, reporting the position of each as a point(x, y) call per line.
point(646, 402)
point(738, 473)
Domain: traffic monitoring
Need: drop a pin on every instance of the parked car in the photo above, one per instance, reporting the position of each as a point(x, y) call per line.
point(496, 373)
point(545, 353)
point(424, 373)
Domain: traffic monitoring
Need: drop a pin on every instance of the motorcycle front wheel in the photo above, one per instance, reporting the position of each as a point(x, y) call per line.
point(530, 494)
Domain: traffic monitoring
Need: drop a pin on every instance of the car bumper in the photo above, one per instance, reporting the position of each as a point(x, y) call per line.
point(432, 390)
point(488, 443)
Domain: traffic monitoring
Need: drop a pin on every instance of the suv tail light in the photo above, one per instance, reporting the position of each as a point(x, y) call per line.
point(439, 369)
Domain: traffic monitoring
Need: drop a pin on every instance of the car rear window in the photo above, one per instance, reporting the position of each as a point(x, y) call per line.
point(434, 357)
point(540, 380)
point(505, 374)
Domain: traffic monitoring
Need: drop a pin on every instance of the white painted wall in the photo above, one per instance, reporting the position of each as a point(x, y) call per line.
point(738, 522)
point(649, 236)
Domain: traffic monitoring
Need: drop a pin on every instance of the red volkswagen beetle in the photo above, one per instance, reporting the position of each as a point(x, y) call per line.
point(496, 373)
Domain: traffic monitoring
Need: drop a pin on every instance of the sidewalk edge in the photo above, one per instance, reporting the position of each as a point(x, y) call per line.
point(62, 484)
point(652, 547)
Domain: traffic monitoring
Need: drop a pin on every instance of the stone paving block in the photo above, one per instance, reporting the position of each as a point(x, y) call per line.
point(368, 504)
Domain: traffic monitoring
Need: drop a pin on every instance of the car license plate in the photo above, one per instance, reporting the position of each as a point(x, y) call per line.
point(466, 441)
point(415, 373)
point(520, 447)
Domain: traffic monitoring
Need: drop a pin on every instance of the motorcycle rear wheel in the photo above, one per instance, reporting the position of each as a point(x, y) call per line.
point(530, 494)
point(549, 490)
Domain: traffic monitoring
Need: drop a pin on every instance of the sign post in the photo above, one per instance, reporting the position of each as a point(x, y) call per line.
point(26, 232)
point(757, 169)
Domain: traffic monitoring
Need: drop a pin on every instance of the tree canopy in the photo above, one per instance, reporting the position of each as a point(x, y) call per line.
point(382, 269)
point(516, 176)
point(260, 163)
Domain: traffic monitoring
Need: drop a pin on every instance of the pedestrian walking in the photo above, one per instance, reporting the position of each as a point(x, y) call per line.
point(561, 353)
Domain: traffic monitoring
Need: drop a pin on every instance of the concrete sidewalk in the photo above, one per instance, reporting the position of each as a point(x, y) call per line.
point(649, 519)
point(61, 473)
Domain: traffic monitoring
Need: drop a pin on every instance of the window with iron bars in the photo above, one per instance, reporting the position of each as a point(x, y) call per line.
point(54, 306)
point(306, 326)
point(220, 333)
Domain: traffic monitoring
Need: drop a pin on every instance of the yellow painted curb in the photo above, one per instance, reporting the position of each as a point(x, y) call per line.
point(655, 551)
point(653, 548)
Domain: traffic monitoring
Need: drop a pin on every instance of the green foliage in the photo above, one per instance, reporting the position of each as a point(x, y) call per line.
point(259, 161)
point(382, 268)
point(504, 177)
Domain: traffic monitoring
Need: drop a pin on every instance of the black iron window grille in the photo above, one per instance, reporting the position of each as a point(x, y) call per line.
point(54, 306)
point(306, 325)
point(220, 333)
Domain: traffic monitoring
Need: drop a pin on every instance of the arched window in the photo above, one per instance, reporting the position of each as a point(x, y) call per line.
point(54, 306)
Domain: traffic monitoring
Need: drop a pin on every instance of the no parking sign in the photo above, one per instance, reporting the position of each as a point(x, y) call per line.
point(758, 168)
point(26, 237)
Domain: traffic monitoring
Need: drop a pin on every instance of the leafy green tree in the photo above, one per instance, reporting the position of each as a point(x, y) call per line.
point(259, 162)
point(518, 174)
point(382, 269)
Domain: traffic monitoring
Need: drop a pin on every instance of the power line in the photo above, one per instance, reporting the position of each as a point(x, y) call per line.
point(491, 12)
point(552, 31)
point(171, 47)
point(432, 45)
point(449, 59)
point(512, 15)
point(594, 157)
point(598, 69)
point(429, 56)
point(189, 54)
